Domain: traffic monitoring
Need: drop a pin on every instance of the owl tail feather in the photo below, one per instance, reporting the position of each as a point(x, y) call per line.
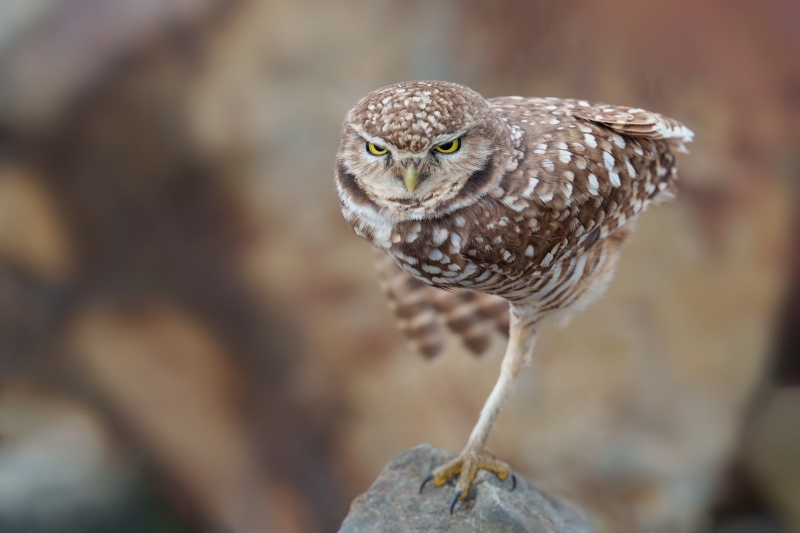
point(424, 313)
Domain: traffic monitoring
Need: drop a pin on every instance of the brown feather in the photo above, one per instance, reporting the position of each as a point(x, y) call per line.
point(423, 311)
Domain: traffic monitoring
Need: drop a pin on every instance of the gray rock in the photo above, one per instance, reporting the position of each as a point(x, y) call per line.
point(392, 504)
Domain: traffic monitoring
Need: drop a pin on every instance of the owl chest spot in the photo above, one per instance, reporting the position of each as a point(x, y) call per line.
point(461, 251)
point(432, 264)
point(433, 254)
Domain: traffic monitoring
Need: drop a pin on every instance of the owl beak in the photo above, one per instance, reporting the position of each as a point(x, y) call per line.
point(411, 177)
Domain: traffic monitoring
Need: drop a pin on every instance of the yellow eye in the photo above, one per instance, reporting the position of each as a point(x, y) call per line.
point(449, 147)
point(374, 149)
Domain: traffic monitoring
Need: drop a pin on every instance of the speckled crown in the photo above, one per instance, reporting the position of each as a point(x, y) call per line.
point(410, 115)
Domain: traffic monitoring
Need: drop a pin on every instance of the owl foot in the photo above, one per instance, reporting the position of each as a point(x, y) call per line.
point(466, 467)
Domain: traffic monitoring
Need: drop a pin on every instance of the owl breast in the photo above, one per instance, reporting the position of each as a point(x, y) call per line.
point(451, 253)
point(485, 247)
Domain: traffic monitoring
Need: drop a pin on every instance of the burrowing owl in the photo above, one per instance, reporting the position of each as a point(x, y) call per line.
point(527, 199)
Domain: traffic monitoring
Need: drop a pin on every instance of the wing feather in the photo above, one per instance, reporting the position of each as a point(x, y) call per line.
point(636, 122)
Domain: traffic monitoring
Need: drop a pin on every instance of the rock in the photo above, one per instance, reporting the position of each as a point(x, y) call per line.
point(393, 503)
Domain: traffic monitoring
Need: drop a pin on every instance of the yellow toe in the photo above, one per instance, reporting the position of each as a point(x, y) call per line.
point(466, 467)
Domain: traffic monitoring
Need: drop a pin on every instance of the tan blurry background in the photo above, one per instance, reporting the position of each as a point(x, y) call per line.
point(192, 339)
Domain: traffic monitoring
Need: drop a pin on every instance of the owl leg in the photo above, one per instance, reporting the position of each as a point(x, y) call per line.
point(475, 456)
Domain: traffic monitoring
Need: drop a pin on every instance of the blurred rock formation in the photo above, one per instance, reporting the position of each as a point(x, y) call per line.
point(120, 243)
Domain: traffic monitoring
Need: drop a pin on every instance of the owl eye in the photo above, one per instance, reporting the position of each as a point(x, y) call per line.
point(449, 147)
point(374, 149)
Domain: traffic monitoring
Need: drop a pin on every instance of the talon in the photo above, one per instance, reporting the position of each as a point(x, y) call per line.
point(425, 482)
point(456, 496)
point(464, 468)
point(513, 481)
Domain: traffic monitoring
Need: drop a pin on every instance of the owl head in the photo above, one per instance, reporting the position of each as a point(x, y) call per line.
point(415, 150)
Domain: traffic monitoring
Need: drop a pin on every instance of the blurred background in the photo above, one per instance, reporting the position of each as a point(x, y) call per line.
point(192, 339)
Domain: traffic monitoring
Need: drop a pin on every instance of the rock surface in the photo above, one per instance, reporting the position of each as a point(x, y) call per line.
point(393, 503)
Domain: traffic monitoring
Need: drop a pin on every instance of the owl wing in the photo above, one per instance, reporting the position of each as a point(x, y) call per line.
point(584, 170)
point(424, 312)
point(636, 122)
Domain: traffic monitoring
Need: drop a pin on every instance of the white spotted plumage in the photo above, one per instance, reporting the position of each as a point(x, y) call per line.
point(531, 208)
